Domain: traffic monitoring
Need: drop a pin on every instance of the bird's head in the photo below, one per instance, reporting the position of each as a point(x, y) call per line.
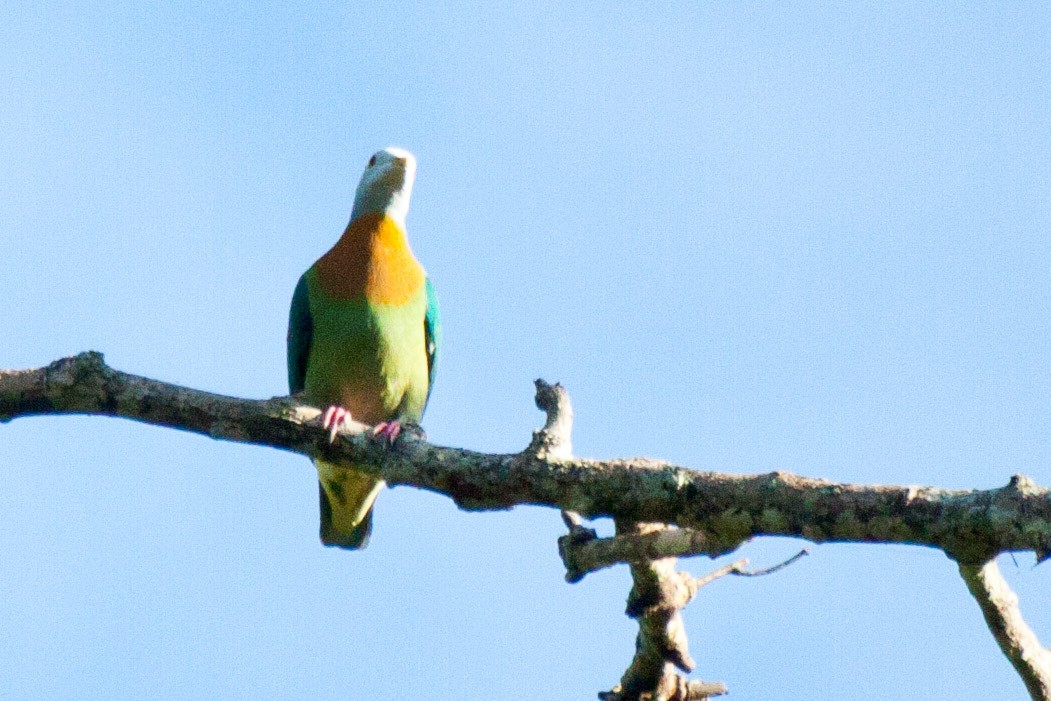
point(386, 184)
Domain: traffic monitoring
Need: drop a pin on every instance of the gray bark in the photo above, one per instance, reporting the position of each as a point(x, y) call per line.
point(714, 513)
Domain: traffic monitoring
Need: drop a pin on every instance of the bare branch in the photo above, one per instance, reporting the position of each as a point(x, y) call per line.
point(1017, 640)
point(658, 595)
point(971, 526)
point(583, 552)
point(661, 643)
point(714, 512)
point(657, 598)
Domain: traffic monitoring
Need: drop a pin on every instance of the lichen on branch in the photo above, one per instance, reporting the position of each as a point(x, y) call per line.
point(662, 511)
point(969, 525)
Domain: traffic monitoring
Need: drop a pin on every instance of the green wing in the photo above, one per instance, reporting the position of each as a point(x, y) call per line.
point(432, 329)
point(300, 333)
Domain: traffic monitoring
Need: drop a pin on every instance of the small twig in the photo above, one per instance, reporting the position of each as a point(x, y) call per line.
point(776, 568)
point(738, 569)
point(705, 580)
point(1017, 640)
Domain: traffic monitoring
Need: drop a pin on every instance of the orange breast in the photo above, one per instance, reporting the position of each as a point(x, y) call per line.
point(372, 260)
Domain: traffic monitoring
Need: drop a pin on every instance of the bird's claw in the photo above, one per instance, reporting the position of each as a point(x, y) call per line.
point(333, 418)
point(387, 431)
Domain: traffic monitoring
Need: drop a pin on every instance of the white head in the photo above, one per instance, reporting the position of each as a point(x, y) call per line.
point(386, 184)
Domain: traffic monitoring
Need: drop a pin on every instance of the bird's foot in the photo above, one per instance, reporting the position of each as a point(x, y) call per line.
point(333, 418)
point(387, 431)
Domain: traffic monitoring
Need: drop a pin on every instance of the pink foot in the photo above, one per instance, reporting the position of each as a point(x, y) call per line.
point(333, 418)
point(387, 431)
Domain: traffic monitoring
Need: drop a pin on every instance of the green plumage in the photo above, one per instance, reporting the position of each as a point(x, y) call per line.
point(377, 360)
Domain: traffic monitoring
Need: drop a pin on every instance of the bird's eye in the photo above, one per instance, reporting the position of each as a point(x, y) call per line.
point(372, 161)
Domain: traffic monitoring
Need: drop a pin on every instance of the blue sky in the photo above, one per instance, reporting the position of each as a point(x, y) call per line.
point(798, 236)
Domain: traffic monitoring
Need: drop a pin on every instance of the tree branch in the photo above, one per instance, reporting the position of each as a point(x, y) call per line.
point(658, 595)
point(969, 525)
point(1017, 640)
point(583, 552)
point(714, 512)
point(658, 592)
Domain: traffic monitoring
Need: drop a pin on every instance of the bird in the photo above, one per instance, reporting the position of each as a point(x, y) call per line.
point(363, 337)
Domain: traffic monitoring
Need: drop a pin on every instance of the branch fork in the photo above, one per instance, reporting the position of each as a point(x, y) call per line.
point(661, 511)
point(659, 592)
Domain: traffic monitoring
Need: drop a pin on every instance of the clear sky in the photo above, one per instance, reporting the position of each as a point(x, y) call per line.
point(799, 236)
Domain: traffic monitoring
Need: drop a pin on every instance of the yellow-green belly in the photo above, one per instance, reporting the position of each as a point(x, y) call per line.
point(369, 358)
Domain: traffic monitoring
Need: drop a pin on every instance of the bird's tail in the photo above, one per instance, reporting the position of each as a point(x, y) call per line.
point(346, 497)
